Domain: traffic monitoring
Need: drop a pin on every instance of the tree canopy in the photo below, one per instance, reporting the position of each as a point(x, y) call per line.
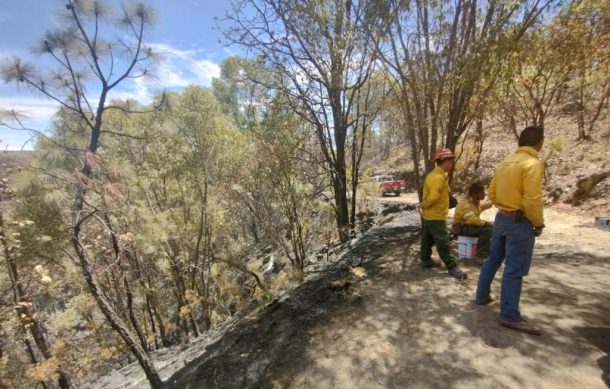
point(136, 226)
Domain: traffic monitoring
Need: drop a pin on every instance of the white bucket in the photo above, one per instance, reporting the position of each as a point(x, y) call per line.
point(467, 246)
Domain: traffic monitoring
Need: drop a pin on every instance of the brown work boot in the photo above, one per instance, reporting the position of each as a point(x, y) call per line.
point(521, 326)
point(456, 272)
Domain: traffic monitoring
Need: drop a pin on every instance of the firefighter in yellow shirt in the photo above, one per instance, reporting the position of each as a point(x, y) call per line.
point(467, 219)
point(434, 209)
point(516, 190)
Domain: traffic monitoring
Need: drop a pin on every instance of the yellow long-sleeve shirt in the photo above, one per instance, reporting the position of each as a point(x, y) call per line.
point(468, 212)
point(435, 201)
point(517, 185)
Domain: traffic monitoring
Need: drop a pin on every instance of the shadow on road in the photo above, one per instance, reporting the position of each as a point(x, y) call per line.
point(403, 326)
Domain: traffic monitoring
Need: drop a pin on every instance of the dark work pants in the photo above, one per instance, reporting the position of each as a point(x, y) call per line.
point(434, 233)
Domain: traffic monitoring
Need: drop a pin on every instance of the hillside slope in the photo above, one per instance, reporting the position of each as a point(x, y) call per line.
point(577, 172)
point(397, 325)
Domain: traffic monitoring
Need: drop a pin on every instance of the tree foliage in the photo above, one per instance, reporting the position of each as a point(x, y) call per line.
point(84, 61)
point(141, 225)
point(445, 57)
point(322, 59)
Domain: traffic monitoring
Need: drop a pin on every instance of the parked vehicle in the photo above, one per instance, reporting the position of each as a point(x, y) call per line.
point(387, 184)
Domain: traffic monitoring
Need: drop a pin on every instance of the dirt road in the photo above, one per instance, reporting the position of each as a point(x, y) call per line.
point(401, 326)
point(566, 226)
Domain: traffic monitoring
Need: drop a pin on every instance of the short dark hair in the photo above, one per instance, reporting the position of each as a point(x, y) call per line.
point(475, 188)
point(531, 136)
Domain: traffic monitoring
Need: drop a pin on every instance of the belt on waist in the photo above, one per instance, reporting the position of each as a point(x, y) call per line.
point(511, 213)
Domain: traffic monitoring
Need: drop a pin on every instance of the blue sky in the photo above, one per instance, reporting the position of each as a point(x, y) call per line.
point(185, 34)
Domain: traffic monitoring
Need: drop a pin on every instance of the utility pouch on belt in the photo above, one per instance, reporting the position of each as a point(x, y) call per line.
point(519, 216)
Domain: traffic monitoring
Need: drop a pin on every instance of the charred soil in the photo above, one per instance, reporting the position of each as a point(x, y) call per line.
point(374, 318)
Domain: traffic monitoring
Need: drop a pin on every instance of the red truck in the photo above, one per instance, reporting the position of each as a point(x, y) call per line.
point(387, 184)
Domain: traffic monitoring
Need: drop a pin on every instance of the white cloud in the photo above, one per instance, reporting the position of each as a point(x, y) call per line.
point(177, 69)
point(31, 108)
point(34, 113)
point(168, 74)
point(205, 70)
point(166, 50)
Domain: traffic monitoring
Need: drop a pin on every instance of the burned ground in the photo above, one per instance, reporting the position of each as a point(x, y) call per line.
point(402, 326)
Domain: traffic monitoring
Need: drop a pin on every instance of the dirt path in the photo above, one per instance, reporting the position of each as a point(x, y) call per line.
point(405, 327)
point(567, 227)
point(402, 326)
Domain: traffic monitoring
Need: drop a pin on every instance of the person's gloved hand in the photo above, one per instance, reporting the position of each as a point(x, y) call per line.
point(538, 230)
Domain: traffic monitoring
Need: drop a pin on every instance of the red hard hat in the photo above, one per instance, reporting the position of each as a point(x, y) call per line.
point(443, 154)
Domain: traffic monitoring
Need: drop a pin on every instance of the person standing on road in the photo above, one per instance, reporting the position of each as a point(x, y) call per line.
point(516, 190)
point(467, 219)
point(434, 209)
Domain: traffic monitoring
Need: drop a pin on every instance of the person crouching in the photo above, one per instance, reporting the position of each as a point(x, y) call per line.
point(467, 219)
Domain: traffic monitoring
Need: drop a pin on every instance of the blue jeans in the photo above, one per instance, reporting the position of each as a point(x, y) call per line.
point(513, 240)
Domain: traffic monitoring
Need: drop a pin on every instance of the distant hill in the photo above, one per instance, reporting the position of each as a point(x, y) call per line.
point(576, 172)
point(12, 161)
